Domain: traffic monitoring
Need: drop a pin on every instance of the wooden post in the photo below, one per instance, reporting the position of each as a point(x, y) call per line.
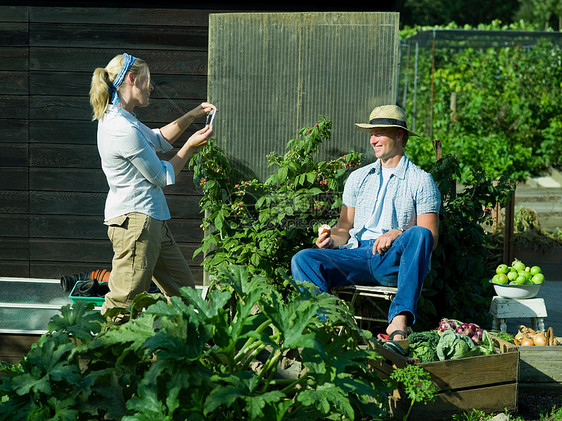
point(496, 215)
point(438, 148)
point(508, 230)
point(496, 218)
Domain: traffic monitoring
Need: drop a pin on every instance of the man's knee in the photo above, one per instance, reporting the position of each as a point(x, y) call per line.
point(421, 234)
point(299, 260)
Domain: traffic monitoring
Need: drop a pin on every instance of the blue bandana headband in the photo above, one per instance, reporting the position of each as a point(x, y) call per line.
point(128, 61)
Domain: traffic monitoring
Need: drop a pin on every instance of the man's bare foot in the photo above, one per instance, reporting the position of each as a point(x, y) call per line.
point(398, 326)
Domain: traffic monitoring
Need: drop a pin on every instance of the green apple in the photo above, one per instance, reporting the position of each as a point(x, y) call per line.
point(503, 268)
point(518, 265)
point(501, 278)
point(512, 275)
point(526, 274)
point(538, 278)
point(535, 270)
point(520, 280)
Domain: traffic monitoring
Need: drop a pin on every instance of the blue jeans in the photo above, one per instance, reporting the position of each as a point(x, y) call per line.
point(404, 266)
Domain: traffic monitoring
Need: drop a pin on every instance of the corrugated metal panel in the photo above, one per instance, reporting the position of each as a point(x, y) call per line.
point(270, 74)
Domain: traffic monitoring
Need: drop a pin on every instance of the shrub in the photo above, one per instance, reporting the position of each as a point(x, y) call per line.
point(261, 225)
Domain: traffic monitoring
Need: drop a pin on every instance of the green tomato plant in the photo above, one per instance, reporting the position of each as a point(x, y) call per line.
point(461, 265)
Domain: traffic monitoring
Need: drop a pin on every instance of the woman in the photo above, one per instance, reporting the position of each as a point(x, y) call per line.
point(136, 210)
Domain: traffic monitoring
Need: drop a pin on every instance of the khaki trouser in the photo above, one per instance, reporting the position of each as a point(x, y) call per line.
point(143, 249)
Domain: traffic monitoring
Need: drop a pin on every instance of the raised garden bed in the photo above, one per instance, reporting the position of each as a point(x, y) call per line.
point(487, 383)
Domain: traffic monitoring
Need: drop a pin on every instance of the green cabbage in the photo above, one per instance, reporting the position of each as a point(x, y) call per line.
point(454, 345)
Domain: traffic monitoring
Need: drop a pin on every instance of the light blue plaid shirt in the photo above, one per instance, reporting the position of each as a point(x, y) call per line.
point(410, 192)
point(134, 172)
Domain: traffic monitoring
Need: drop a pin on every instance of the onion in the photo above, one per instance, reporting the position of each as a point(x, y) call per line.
point(527, 342)
point(479, 333)
point(444, 325)
point(472, 327)
point(540, 340)
point(475, 339)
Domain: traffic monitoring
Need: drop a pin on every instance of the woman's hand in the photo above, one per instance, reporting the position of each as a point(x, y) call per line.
point(202, 109)
point(200, 138)
point(172, 131)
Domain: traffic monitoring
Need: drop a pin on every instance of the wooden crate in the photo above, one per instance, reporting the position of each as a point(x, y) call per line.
point(487, 383)
point(540, 367)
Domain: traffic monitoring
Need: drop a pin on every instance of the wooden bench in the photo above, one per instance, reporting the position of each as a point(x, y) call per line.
point(377, 296)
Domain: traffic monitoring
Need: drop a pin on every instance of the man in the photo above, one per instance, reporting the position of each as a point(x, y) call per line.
point(388, 225)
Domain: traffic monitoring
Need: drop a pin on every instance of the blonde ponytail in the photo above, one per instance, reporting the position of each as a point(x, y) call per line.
point(102, 83)
point(100, 92)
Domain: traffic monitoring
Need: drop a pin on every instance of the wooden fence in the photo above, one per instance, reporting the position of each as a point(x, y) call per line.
point(52, 189)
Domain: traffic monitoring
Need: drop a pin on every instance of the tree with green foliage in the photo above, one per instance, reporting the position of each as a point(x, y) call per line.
point(495, 106)
point(546, 14)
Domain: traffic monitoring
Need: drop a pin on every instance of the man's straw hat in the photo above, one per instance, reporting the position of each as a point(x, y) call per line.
point(386, 116)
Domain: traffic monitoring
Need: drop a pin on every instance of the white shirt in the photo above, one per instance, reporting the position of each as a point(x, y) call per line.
point(373, 227)
point(134, 172)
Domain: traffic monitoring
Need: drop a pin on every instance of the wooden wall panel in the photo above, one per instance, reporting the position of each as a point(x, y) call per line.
point(14, 201)
point(169, 62)
point(14, 107)
point(13, 34)
point(14, 155)
point(14, 83)
point(14, 160)
point(167, 87)
point(14, 178)
point(52, 188)
point(69, 179)
point(63, 131)
point(13, 58)
point(15, 225)
point(13, 130)
point(118, 36)
point(133, 16)
point(14, 249)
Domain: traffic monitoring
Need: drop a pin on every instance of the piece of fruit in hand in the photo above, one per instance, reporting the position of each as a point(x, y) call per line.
point(324, 228)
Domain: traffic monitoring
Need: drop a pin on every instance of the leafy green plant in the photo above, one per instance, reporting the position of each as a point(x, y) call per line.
point(495, 107)
point(456, 286)
point(261, 225)
point(417, 384)
point(223, 357)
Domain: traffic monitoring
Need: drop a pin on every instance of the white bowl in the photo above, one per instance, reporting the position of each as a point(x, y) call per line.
point(517, 292)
